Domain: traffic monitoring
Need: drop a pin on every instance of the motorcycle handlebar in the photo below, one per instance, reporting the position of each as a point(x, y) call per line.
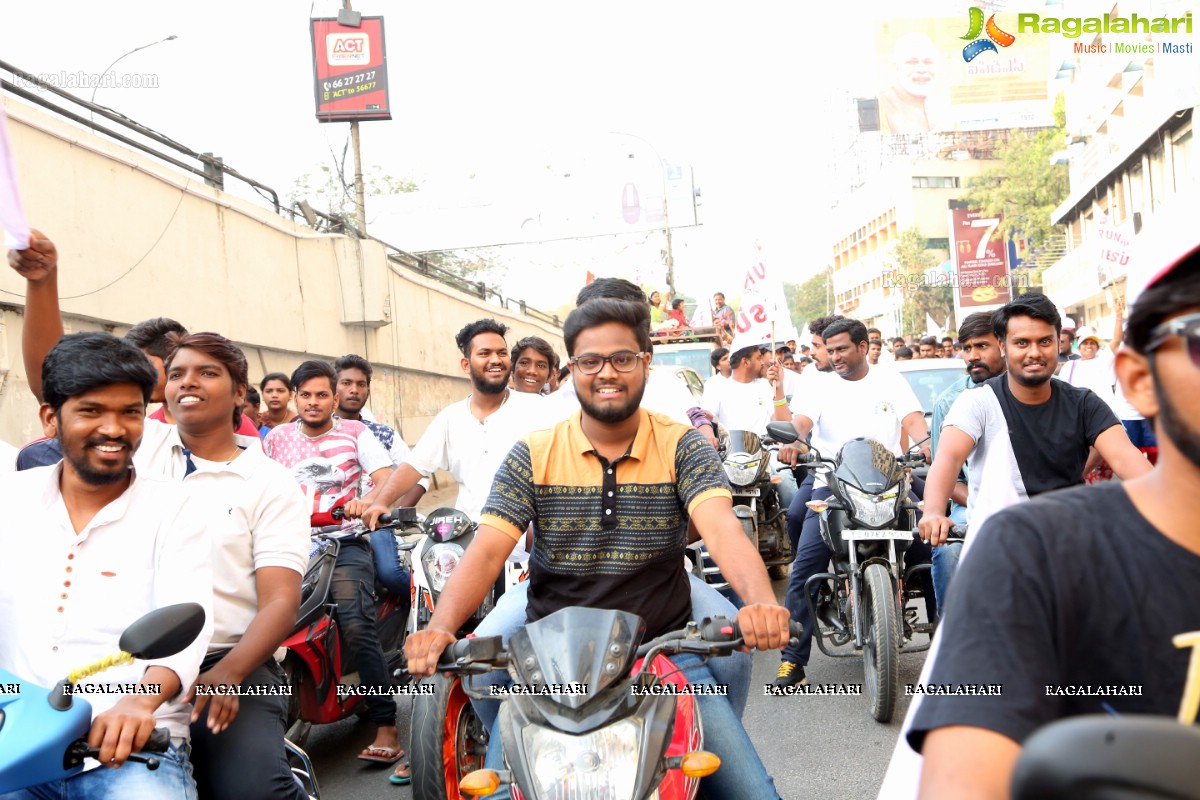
point(957, 533)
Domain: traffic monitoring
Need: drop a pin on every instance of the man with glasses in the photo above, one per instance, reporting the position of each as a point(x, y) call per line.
point(611, 492)
point(1077, 595)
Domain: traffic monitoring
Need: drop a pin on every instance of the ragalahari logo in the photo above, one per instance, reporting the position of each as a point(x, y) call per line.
point(981, 45)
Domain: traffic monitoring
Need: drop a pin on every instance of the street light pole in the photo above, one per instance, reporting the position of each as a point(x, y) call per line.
point(666, 215)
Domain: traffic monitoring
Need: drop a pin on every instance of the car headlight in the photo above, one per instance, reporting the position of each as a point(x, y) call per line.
point(601, 765)
point(875, 510)
point(440, 561)
point(742, 473)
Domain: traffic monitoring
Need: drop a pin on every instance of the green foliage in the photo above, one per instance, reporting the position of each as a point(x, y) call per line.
point(811, 299)
point(911, 260)
point(1026, 187)
point(332, 192)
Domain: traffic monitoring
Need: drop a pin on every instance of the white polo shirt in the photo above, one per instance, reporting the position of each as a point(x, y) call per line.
point(741, 406)
point(65, 598)
point(253, 507)
point(471, 450)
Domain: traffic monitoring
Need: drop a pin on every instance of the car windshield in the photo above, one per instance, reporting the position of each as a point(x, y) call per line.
point(927, 384)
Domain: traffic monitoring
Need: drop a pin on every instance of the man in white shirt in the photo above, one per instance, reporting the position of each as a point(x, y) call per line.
point(470, 438)
point(112, 545)
point(748, 400)
point(869, 402)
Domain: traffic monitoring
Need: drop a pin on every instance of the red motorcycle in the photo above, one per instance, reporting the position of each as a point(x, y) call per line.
point(316, 666)
point(593, 714)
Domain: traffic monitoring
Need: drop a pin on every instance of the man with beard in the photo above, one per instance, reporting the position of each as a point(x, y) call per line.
point(112, 543)
point(981, 350)
point(1021, 433)
point(470, 438)
point(611, 491)
point(328, 456)
point(1056, 597)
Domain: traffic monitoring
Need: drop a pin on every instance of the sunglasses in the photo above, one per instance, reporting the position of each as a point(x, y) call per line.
point(1187, 326)
point(623, 361)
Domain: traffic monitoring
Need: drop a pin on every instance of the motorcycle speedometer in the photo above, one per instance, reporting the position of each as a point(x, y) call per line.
point(601, 765)
point(440, 561)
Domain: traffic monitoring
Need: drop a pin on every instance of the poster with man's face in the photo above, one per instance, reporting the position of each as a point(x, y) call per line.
point(926, 86)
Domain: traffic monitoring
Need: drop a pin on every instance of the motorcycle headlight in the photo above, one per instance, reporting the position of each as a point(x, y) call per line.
point(874, 510)
point(440, 561)
point(601, 765)
point(741, 473)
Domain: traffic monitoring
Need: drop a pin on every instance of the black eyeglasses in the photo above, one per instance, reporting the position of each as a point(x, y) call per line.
point(1187, 326)
point(623, 361)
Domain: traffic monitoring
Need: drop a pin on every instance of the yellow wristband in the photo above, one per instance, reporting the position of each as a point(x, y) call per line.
point(782, 402)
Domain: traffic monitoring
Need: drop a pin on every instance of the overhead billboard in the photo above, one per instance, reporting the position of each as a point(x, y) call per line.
point(982, 279)
point(349, 70)
point(933, 76)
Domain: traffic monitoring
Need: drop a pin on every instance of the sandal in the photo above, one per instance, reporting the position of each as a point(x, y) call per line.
point(381, 755)
point(400, 780)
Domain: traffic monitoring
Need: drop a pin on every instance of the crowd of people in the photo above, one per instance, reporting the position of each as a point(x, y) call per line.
point(569, 465)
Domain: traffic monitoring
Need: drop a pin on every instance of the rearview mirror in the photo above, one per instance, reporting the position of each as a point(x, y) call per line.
point(164, 631)
point(782, 432)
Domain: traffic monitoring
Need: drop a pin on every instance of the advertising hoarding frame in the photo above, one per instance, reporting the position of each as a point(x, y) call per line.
point(364, 84)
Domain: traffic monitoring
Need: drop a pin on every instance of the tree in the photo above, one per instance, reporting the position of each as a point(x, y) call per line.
point(1026, 187)
point(812, 299)
point(911, 261)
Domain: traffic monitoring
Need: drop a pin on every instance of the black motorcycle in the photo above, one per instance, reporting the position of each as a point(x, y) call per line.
point(867, 524)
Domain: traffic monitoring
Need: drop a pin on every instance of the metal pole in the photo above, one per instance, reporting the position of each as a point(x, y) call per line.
point(360, 194)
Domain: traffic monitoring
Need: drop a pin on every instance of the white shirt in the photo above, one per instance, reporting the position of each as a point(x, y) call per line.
point(872, 406)
point(471, 450)
point(254, 509)
point(741, 406)
point(1096, 374)
point(258, 517)
point(65, 598)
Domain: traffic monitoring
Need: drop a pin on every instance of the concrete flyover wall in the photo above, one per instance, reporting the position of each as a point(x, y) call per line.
point(138, 240)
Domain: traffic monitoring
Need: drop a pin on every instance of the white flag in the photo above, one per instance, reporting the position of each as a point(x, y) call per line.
point(12, 215)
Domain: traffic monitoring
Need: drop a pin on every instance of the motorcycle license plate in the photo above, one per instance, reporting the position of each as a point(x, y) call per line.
point(851, 536)
point(751, 492)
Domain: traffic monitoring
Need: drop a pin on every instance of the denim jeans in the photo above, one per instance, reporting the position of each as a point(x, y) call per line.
point(171, 781)
point(812, 556)
point(945, 562)
point(394, 577)
point(247, 759)
point(353, 591)
point(509, 615)
point(742, 775)
point(797, 511)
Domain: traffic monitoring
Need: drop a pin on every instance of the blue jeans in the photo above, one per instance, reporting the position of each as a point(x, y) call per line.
point(247, 759)
point(509, 615)
point(171, 781)
point(1140, 432)
point(353, 591)
point(742, 775)
point(388, 571)
point(797, 511)
point(945, 562)
point(812, 556)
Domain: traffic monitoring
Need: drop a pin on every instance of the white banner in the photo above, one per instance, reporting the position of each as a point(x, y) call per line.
point(12, 215)
point(765, 289)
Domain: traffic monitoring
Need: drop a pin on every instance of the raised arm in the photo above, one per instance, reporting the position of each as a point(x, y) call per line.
point(43, 321)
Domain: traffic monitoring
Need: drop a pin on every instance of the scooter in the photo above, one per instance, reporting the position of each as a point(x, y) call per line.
point(316, 668)
point(448, 739)
point(43, 731)
point(629, 729)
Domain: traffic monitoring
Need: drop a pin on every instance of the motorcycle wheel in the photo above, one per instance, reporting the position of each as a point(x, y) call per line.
point(448, 740)
point(881, 654)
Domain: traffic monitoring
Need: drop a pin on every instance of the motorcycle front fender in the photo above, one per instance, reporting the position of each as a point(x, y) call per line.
point(746, 516)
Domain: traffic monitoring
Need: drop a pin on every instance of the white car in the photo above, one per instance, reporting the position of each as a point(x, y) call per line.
point(929, 377)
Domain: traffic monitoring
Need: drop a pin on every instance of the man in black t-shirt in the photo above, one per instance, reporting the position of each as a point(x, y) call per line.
point(1021, 433)
point(1072, 600)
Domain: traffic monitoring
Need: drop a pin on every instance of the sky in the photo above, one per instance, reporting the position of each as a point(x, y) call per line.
point(511, 110)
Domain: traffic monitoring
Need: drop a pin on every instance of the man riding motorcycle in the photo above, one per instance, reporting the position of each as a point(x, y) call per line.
point(631, 479)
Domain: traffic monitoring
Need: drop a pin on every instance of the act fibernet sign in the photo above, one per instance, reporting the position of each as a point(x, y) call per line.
point(350, 70)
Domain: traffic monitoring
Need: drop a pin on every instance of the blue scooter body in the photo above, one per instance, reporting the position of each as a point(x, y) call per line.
point(34, 736)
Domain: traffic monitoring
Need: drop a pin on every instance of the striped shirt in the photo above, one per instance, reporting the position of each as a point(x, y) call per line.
point(607, 535)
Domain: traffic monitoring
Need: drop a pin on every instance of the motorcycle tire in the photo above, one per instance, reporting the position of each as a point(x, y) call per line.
point(881, 652)
point(448, 740)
